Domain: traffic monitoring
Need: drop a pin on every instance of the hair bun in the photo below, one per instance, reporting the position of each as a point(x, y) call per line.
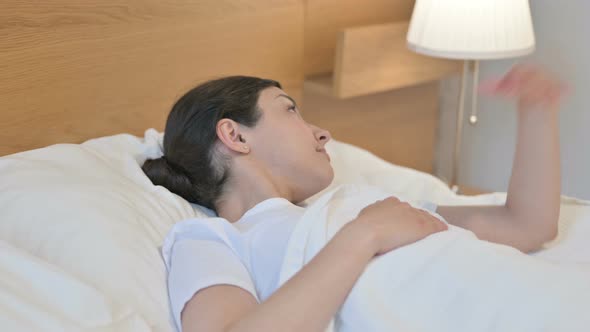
point(162, 173)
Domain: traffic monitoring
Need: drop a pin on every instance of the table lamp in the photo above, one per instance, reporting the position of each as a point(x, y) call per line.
point(470, 30)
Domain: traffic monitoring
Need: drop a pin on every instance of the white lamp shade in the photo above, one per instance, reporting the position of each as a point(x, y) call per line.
point(471, 29)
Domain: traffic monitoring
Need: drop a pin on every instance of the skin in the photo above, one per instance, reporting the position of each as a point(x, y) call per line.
point(300, 169)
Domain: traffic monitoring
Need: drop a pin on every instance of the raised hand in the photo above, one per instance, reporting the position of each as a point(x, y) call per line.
point(530, 85)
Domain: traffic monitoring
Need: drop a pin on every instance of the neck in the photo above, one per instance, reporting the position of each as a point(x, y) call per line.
point(245, 189)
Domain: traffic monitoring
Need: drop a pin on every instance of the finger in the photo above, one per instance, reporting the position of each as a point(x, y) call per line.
point(525, 82)
point(555, 95)
point(437, 226)
point(510, 78)
point(565, 88)
point(522, 71)
point(535, 90)
point(427, 215)
point(489, 86)
point(515, 78)
point(430, 219)
point(377, 202)
point(441, 225)
point(535, 76)
point(517, 84)
point(544, 92)
point(393, 198)
point(505, 84)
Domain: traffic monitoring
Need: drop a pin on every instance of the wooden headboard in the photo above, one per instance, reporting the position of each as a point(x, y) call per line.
point(72, 70)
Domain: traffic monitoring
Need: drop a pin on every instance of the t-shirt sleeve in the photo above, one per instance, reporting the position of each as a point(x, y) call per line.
point(197, 264)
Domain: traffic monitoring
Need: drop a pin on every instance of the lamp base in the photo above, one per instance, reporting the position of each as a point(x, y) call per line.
point(459, 121)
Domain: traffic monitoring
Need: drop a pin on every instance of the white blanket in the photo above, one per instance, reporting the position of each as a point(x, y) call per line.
point(449, 281)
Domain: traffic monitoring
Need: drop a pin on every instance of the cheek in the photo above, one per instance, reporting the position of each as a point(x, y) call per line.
point(290, 146)
point(294, 161)
point(283, 154)
point(289, 150)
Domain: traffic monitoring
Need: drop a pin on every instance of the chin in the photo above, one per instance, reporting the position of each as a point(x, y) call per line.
point(324, 181)
point(330, 176)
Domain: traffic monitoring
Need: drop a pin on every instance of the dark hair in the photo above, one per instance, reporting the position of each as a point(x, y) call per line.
point(191, 166)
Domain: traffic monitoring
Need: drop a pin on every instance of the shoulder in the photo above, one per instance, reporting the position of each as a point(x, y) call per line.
point(203, 229)
point(198, 256)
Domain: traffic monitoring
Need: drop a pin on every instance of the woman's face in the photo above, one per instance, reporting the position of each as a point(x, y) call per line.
point(291, 149)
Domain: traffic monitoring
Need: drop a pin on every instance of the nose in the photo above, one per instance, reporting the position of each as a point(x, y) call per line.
point(321, 135)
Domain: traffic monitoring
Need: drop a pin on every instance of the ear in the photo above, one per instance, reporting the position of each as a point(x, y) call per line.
point(228, 132)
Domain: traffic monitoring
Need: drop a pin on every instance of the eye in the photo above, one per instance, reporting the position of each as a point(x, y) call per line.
point(292, 108)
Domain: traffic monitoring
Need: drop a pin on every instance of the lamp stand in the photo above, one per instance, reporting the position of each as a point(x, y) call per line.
point(460, 114)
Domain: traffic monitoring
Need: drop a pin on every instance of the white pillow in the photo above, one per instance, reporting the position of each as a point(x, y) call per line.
point(355, 165)
point(90, 210)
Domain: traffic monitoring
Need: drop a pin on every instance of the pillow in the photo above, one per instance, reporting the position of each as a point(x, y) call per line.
point(355, 165)
point(37, 296)
point(90, 210)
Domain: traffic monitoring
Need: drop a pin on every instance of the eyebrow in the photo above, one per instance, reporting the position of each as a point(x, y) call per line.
point(291, 99)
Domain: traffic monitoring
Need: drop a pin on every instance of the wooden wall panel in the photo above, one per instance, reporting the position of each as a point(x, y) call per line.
point(72, 70)
point(324, 18)
point(375, 58)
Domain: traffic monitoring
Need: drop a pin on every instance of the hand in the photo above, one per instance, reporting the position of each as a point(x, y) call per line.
point(394, 224)
point(530, 85)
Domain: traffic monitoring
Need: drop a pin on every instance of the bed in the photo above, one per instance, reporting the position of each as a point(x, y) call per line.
point(80, 224)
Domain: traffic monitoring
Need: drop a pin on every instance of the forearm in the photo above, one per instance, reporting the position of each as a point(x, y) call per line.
point(311, 297)
point(529, 217)
point(534, 189)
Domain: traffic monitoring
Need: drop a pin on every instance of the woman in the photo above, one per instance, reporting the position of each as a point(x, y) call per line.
point(239, 146)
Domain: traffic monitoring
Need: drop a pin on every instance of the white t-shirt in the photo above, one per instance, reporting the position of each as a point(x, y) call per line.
point(201, 252)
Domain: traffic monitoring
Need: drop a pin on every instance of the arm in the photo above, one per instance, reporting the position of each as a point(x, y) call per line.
point(529, 217)
point(308, 300)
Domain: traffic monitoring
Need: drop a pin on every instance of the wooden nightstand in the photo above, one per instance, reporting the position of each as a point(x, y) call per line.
point(463, 190)
point(375, 58)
